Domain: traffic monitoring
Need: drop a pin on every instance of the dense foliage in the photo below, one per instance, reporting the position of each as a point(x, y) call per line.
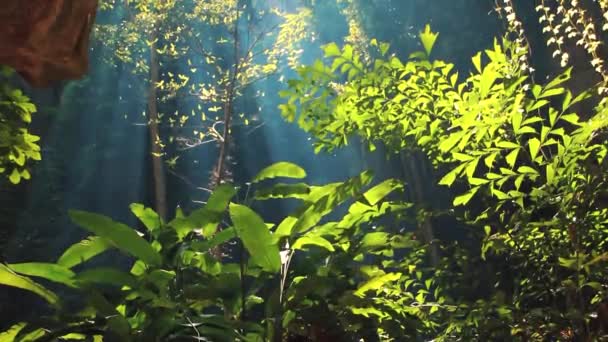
point(17, 145)
point(185, 283)
point(527, 170)
point(513, 247)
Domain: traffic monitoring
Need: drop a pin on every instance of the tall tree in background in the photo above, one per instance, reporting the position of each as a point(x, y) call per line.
point(192, 61)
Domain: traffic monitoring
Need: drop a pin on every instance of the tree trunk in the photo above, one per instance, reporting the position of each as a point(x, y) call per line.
point(221, 170)
point(160, 185)
point(425, 227)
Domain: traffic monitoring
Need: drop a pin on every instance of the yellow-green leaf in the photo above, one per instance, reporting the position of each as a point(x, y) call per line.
point(256, 237)
point(534, 146)
point(464, 199)
point(280, 169)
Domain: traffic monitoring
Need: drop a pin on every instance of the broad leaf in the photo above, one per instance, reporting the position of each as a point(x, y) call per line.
point(10, 335)
point(256, 237)
point(83, 251)
point(147, 216)
point(534, 145)
point(464, 199)
point(208, 218)
point(219, 238)
point(378, 192)
point(220, 198)
point(107, 275)
point(52, 272)
point(299, 191)
point(375, 239)
point(281, 169)
point(377, 283)
point(428, 38)
point(10, 278)
point(122, 236)
point(312, 240)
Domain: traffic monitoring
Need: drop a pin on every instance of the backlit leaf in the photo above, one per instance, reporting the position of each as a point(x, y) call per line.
point(377, 283)
point(120, 235)
point(428, 38)
point(534, 146)
point(464, 199)
point(147, 216)
point(312, 240)
point(380, 191)
point(52, 272)
point(10, 278)
point(280, 169)
point(256, 237)
point(83, 251)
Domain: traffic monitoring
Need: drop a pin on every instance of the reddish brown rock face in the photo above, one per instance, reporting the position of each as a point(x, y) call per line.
point(46, 40)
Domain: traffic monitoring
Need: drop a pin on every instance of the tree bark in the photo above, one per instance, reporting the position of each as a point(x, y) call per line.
point(158, 172)
point(425, 227)
point(221, 168)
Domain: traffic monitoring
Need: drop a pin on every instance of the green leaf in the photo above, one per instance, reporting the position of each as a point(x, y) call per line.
point(312, 240)
point(285, 227)
point(323, 200)
point(571, 118)
point(551, 92)
point(527, 170)
point(516, 120)
point(461, 156)
point(512, 157)
point(280, 169)
point(380, 191)
point(518, 181)
point(207, 218)
point(477, 62)
point(488, 77)
point(450, 177)
point(10, 335)
point(534, 146)
point(550, 172)
point(572, 263)
point(10, 278)
point(428, 38)
point(507, 144)
point(581, 97)
point(559, 79)
point(299, 191)
point(464, 199)
point(489, 160)
point(147, 216)
point(219, 238)
point(107, 275)
point(449, 143)
point(256, 237)
point(537, 105)
point(52, 272)
point(478, 181)
point(567, 100)
point(116, 322)
point(83, 251)
point(471, 167)
point(377, 283)
point(122, 236)
point(375, 239)
point(15, 177)
point(220, 198)
point(331, 50)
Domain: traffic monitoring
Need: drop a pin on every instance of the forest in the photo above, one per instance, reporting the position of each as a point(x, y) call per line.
point(305, 170)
